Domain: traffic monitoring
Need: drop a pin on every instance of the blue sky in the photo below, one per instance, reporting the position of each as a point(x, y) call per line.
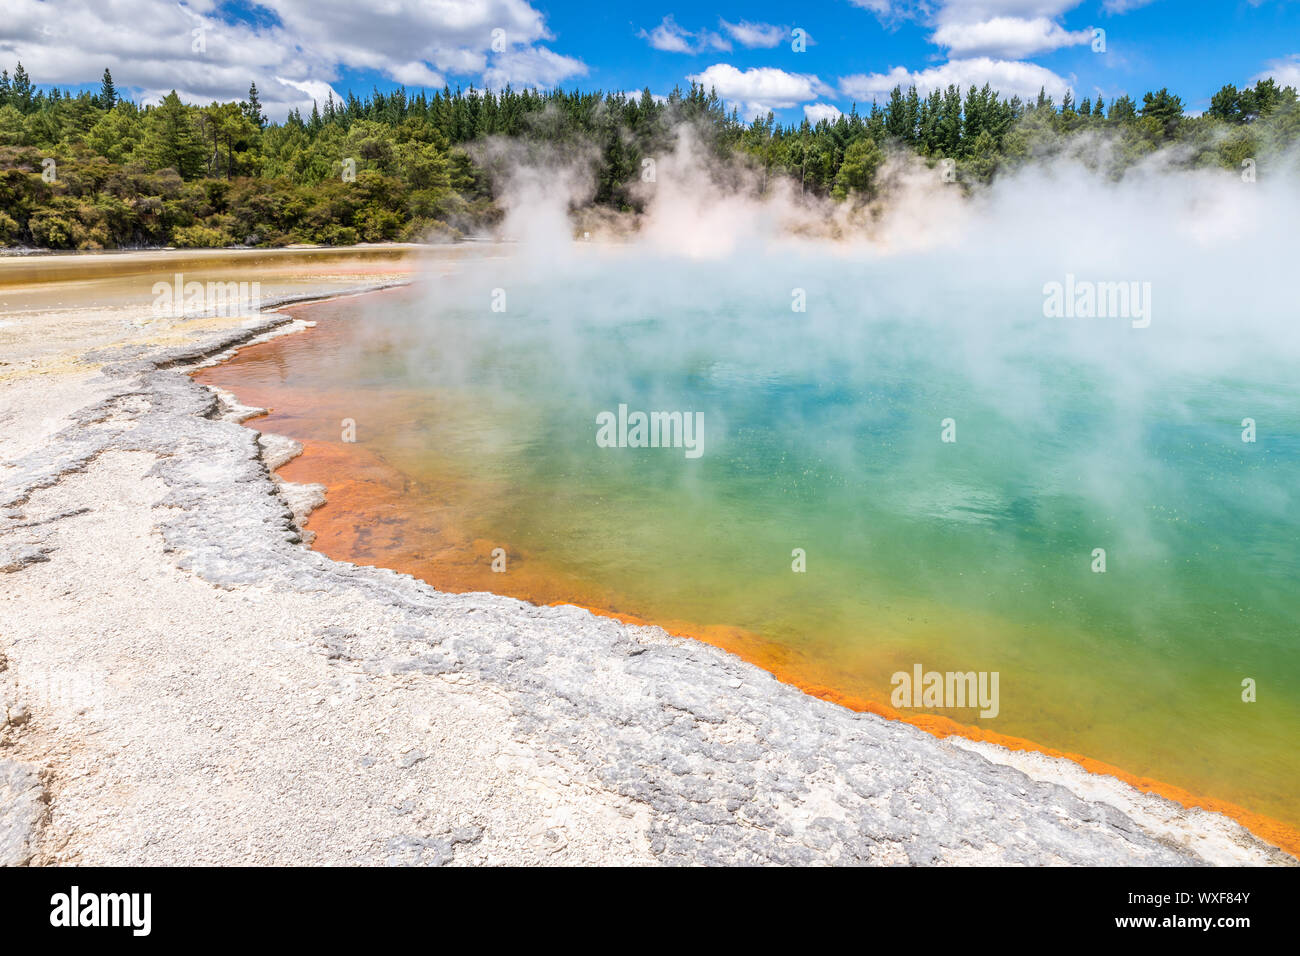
point(300, 50)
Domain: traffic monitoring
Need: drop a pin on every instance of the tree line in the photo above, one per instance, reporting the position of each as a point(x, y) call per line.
point(94, 170)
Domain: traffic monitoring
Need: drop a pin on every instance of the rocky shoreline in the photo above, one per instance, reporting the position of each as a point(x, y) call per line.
point(243, 699)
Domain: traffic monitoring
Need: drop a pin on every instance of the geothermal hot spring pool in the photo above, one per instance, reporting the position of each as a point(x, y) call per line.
point(823, 430)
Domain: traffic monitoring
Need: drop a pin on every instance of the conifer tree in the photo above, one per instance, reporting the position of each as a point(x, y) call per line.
point(21, 91)
point(253, 108)
point(107, 91)
point(1123, 109)
point(171, 139)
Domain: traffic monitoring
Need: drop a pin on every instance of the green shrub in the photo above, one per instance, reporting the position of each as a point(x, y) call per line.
point(53, 231)
point(199, 236)
point(379, 225)
point(338, 236)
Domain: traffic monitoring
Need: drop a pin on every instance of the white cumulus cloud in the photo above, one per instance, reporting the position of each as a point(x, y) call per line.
point(1009, 77)
point(1285, 71)
point(1124, 6)
point(670, 37)
point(536, 66)
point(761, 88)
point(755, 35)
point(1007, 37)
point(294, 53)
point(816, 112)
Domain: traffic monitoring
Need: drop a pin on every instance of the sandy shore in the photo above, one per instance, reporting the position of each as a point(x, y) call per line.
point(183, 681)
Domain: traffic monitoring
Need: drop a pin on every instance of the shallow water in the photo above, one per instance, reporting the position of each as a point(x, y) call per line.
point(477, 430)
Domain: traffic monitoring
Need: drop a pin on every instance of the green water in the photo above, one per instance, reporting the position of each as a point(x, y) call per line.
point(822, 432)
